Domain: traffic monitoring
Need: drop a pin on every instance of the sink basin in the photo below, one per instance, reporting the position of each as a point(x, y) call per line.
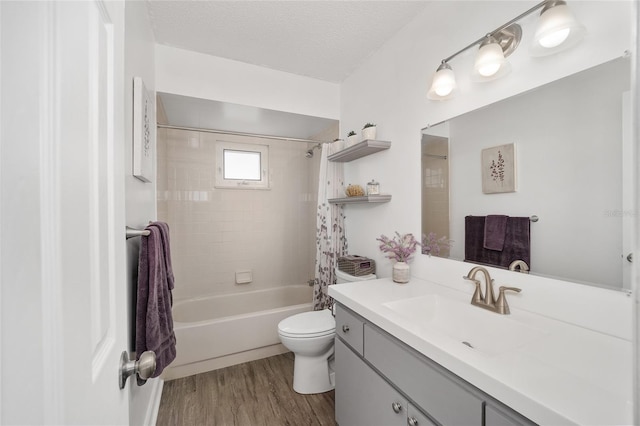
point(478, 329)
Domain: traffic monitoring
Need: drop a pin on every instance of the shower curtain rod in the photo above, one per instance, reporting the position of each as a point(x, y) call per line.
point(228, 132)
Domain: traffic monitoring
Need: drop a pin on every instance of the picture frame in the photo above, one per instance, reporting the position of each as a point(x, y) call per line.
point(143, 120)
point(499, 169)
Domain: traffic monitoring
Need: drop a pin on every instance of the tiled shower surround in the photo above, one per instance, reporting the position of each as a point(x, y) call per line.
point(216, 232)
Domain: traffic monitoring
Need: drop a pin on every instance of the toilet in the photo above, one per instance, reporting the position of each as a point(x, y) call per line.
point(309, 336)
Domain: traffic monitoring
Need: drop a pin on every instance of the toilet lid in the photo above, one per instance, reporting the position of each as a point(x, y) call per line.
point(308, 324)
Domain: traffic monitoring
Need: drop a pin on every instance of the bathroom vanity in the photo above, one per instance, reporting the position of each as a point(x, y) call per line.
point(420, 354)
point(376, 388)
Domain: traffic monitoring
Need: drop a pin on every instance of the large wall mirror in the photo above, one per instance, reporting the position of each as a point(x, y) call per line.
point(573, 170)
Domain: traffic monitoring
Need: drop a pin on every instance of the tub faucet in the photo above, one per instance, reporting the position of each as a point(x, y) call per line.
point(488, 300)
point(519, 266)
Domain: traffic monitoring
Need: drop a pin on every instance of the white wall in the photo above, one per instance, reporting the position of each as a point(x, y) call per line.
point(390, 90)
point(140, 196)
point(203, 76)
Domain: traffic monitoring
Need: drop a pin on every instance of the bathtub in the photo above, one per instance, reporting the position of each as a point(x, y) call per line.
point(218, 331)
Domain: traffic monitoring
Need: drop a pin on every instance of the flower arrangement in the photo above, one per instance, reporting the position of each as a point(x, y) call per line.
point(351, 133)
point(432, 245)
point(400, 248)
point(366, 126)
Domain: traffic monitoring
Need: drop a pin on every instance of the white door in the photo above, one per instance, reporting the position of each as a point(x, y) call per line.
point(62, 212)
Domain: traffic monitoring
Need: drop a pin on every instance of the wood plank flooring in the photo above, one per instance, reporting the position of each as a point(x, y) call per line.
point(257, 393)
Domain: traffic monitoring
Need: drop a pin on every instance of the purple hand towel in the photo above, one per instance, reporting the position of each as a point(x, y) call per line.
point(517, 242)
point(164, 232)
point(154, 322)
point(495, 230)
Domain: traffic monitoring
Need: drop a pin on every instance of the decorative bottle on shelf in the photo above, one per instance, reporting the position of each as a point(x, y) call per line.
point(373, 188)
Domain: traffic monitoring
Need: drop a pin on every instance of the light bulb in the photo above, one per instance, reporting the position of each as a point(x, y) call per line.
point(444, 90)
point(556, 30)
point(554, 39)
point(489, 58)
point(444, 83)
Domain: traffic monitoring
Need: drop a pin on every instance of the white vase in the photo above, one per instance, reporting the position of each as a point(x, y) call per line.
point(401, 272)
point(351, 140)
point(369, 133)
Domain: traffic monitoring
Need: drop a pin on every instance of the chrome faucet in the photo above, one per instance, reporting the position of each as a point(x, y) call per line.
point(521, 266)
point(488, 300)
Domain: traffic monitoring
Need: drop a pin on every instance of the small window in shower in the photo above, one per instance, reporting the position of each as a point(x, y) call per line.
point(242, 166)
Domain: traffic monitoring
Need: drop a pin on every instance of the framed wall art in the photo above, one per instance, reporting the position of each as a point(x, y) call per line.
point(499, 169)
point(143, 119)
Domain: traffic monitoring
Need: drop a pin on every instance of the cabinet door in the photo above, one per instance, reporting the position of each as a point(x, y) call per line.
point(362, 397)
point(504, 416)
point(415, 417)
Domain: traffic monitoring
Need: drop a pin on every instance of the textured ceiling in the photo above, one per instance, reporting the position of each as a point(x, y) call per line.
point(326, 40)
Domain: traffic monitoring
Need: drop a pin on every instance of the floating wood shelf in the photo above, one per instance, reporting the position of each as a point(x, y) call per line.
point(365, 199)
point(359, 150)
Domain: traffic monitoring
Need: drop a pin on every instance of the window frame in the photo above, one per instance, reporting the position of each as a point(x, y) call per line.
point(221, 182)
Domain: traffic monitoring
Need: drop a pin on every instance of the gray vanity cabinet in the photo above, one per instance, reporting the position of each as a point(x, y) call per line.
point(382, 381)
point(502, 416)
point(364, 398)
point(438, 393)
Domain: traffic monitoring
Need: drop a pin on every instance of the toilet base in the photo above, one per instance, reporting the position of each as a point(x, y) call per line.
point(313, 374)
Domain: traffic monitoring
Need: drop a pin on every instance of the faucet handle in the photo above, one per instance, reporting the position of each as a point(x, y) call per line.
point(502, 306)
point(477, 294)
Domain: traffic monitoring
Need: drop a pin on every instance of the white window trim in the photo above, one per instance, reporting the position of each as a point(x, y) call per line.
point(221, 182)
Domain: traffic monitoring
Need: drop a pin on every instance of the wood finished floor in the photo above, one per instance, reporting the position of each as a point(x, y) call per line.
point(257, 393)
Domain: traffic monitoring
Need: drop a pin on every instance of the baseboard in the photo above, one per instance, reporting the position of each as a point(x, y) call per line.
point(151, 416)
point(172, 373)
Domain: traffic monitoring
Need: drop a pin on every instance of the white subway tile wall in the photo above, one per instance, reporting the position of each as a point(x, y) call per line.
point(215, 232)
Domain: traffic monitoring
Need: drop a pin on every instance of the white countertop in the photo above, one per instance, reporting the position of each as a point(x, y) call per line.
point(568, 375)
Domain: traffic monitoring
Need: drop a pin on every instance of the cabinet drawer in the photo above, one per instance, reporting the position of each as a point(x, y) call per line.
point(439, 393)
point(349, 327)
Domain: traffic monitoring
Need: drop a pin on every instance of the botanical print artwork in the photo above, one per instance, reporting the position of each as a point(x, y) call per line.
point(499, 169)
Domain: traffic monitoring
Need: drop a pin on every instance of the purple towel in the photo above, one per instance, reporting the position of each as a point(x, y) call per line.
point(495, 230)
point(154, 322)
point(164, 228)
point(517, 242)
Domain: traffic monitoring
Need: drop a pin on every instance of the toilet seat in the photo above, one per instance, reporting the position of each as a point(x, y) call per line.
point(308, 324)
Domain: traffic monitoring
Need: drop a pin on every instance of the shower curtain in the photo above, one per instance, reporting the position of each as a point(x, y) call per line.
point(331, 241)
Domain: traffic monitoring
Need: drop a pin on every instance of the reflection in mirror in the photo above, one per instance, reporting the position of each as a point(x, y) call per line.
point(571, 137)
point(435, 192)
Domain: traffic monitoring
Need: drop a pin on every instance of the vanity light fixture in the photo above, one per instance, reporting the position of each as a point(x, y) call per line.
point(556, 31)
point(444, 84)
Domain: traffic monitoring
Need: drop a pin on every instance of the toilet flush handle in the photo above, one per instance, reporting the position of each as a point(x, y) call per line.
point(345, 328)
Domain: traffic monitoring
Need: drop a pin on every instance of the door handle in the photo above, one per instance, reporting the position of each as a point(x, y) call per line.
point(144, 367)
point(630, 258)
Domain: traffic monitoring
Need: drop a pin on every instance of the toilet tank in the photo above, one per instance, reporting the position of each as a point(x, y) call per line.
point(343, 277)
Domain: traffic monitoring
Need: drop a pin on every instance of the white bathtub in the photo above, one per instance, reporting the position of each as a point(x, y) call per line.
point(218, 331)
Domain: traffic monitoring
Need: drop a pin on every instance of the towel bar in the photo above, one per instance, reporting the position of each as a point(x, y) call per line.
point(132, 232)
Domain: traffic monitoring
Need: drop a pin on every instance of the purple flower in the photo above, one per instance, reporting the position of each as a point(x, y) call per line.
point(432, 245)
point(400, 248)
